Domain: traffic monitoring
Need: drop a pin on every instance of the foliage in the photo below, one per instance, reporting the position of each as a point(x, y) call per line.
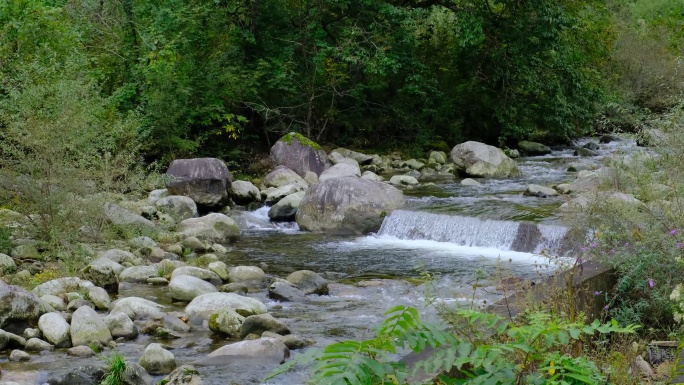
point(486, 349)
point(114, 372)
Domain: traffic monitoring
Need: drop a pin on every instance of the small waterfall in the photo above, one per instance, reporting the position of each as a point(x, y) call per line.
point(474, 232)
point(259, 220)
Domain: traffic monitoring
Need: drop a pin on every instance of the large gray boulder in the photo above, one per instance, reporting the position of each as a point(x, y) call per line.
point(177, 207)
point(206, 180)
point(186, 287)
point(157, 360)
point(286, 208)
point(214, 227)
point(19, 305)
point(282, 176)
point(479, 159)
point(203, 306)
point(127, 219)
point(103, 272)
point(87, 326)
point(61, 286)
point(55, 329)
point(347, 205)
point(341, 169)
point(244, 192)
point(299, 154)
point(137, 308)
point(267, 350)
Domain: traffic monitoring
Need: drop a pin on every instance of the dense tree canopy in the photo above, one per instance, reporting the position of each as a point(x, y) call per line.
point(203, 76)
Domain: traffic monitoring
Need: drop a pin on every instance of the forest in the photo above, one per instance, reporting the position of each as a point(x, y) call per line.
point(158, 80)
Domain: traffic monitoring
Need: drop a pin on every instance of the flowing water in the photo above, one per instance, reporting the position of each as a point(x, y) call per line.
point(451, 231)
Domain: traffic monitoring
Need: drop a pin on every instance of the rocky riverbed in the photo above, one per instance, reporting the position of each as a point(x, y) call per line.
point(208, 291)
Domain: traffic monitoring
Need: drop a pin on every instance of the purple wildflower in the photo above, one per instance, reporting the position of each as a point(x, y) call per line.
point(605, 307)
point(626, 243)
point(680, 245)
point(673, 231)
point(612, 251)
point(594, 245)
point(597, 293)
point(585, 248)
point(650, 283)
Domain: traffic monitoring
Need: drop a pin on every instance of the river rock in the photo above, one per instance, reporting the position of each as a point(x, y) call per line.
point(257, 324)
point(593, 146)
point(197, 272)
point(540, 191)
point(137, 308)
point(205, 180)
point(177, 207)
point(55, 329)
point(31, 333)
point(17, 304)
point(186, 287)
point(282, 176)
point(361, 159)
point(267, 350)
point(99, 298)
point(103, 272)
point(157, 194)
point(81, 351)
point(581, 151)
point(120, 256)
point(403, 180)
point(244, 192)
point(471, 182)
point(439, 157)
point(121, 325)
point(213, 227)
point(7, 264)
point(342, 169)
point(19, 356)
point(84, 375)
point(11, 340)
point(157, 360)
point(184, 375)
point(61, 286)
point(127, 219)
point(286, 208)
point(311, 178)
point(220, 269)
point(203, 306)
point(481, 160)
point(369, 175)
point(347, 205)
point(138, 274)
point(281, 192)
point(309, 282)
point(87, 326)
point(250, 275)
point(38, 345)
point(285, 291)
point(533, 148)
point(226, 321)
point(299, 154)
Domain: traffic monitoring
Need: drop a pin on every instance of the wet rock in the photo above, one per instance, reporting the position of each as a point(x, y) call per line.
point(286, 208)
point(11, 340)
point(276, 195)
point(157, 360)
point(203, 274)
point(540, 191)
point(121, 325)
point(19, 355)
point(177, 207)
point(220, 269)
point(203, 306)
point(136, 375)
point(206, 181)
point(533, 148)
point(309, 282)
point(159, 281)
point(593, 146)
point(285, 291)
point(403, 180)
point(186, 287)
point(249, 275)
point(55, 329)
point(291, 341)
point(99, 298)
point(87, 326)
point(127, 219)
point(103, 272)
point(226, 322)
point(607, 138)
point(267, 350)
point(299, 154)
point(257, 324)
point(81, 351)
point(137, 308)
point(213, 227)
point(342, 169)
point(479, 159)
point(471, 182)
point(84, 375)
point(234, 288)
point(38, 345)
point(184, 375)
point(19, 305)
point(581, 151)
point(347, 205)
point(244, 192)
point(175, 324)
point(138, 274)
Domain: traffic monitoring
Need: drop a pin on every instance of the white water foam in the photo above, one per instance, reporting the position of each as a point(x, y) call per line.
point(259, 220)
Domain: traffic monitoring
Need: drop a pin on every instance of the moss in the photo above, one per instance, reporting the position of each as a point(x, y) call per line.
point(213, 324)
point(301, 138)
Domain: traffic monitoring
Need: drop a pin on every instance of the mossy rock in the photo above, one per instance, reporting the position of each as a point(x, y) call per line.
point(288, 138)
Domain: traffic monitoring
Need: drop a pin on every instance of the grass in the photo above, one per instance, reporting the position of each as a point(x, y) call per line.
point(114, 373)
